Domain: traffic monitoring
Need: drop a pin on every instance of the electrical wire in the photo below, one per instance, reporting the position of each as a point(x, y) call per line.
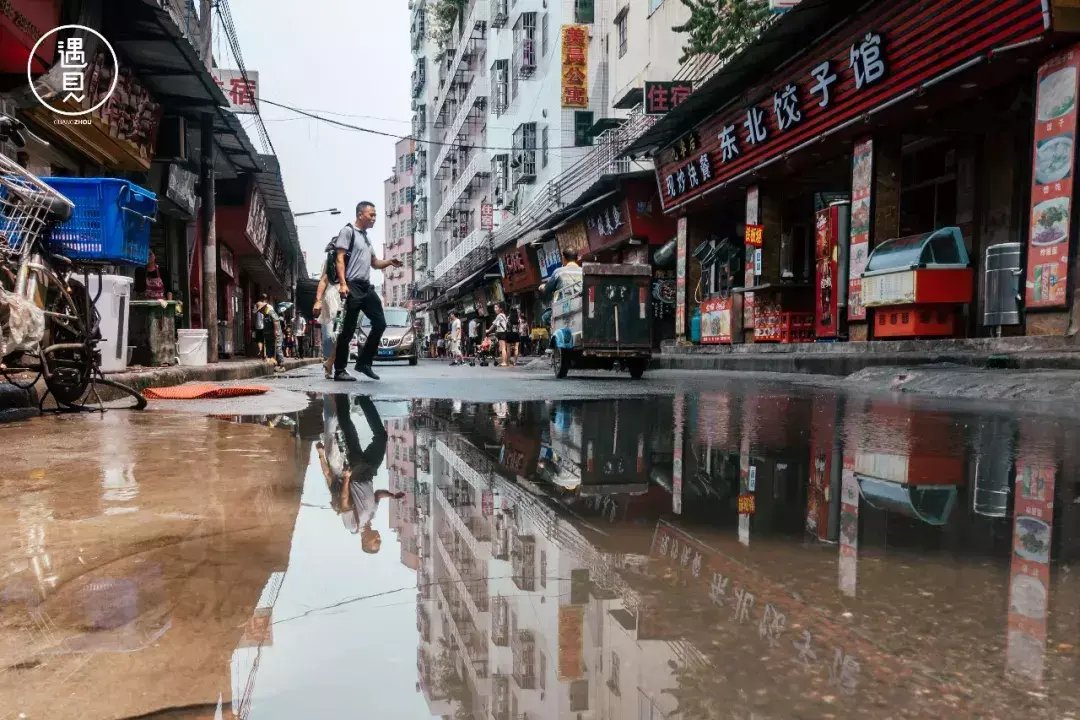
point(372, 131)
point(233, 41)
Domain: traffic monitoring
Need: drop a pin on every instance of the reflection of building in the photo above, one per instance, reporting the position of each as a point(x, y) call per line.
point(401, 467)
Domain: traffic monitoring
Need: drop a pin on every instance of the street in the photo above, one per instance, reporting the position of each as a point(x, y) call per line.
point(596, 542)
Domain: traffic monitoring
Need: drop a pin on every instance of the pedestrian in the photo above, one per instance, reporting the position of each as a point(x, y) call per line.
point(260, 327)
point(455, 339)
point(440, 346)
point(350, 469)
point(328, 307)
point(500, 326)
point(355, 261)
point(513, 336)
point(523, 334)
point(300, 333)
point(272, 323)
point(474, 336)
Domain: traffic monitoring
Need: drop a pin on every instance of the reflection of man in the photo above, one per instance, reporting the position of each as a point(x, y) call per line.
point(350, 468)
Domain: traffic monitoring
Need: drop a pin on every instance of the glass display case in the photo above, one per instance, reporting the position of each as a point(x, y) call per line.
point(918, 283)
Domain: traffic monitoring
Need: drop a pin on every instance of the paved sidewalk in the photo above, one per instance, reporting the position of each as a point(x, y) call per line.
point(16, 404)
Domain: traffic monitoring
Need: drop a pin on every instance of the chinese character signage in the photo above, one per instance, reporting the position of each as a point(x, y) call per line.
point(862, 175)
point(1052, 181)
point(716, 321)
point(257, 225)
point(225, 260)
point(549, 257)
point(574, 237)
point(607, 225)
point(753, 242)
point(518, 270)
point(180, 188)
point(487, 216)
point(575, 66)
point(876, 56)
point(22, 23)
point(660, 97)
point(243, 94)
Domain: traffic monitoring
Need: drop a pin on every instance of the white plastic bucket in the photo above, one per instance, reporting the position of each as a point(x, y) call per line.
point(191, 347)
point(113, 307)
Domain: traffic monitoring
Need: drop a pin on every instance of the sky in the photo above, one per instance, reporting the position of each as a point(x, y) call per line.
point(341, 56)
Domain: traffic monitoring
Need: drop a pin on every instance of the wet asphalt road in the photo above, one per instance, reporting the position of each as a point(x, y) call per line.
point(684, 547)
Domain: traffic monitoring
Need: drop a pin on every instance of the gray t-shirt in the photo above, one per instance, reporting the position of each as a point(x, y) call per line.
point(359, 267)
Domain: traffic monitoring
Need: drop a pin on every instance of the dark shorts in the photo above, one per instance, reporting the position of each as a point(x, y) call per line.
point(500, 336)
point(260, 335)
point(513, 337)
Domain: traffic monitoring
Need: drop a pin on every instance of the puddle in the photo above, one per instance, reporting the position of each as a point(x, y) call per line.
point(752, 552)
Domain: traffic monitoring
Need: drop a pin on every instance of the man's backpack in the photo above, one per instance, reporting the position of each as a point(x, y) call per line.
point(331, 256)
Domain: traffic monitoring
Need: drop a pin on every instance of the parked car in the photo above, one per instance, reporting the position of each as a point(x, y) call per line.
point(399, 342)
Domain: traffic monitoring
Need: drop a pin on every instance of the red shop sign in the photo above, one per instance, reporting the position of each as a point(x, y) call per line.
point(22, 23)
point(520, 271)
point(878, 55)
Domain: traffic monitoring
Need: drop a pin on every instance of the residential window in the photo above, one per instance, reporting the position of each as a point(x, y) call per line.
point(544, 36)
point(654, 4)
point(613, 682)
point(524, 161)
point(621, 25)
point(543, 553)
point(583, 122)
point(396, 297)
point(544, 147)
point(500, 72)
point(579, 696)
point(543, 671)
point(501, 177)
point(584, 12)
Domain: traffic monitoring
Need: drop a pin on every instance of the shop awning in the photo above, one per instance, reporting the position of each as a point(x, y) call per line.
point(272, 188)
point(800, 27)
point(456, 289)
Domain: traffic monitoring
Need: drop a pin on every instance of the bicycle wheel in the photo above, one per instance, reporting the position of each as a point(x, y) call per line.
point(71, 368)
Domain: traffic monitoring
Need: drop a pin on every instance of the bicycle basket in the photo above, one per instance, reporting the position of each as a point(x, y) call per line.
point(24, 207)
point(111, 222)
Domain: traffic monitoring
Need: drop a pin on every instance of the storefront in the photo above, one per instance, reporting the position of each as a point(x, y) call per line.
point(904, 119)
point(173, 231)
point(520, 282)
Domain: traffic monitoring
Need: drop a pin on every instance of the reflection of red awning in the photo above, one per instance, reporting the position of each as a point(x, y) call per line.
point(22, 22)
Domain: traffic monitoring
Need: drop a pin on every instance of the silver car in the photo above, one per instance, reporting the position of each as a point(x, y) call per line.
point(399, 342)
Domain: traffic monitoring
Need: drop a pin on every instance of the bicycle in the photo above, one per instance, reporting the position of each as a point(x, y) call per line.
point(49, 325)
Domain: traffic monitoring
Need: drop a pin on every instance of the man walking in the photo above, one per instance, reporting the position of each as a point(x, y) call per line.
point(355, 261)
point(455, 339)
point(474, 336)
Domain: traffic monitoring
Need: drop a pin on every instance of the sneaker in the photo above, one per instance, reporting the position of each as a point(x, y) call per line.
point(343, 376)
point(366, 370)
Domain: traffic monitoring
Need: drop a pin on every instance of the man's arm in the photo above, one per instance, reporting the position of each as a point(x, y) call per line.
point(343, 284)
point(378, 264)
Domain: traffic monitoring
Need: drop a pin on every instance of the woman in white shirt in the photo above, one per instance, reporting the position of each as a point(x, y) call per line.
point(327, 305)
point(501, 326)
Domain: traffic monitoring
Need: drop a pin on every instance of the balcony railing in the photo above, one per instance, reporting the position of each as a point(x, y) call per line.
point(479, 164)
point(474, 240)
point(500, 13)
point(478, 90)
point(475, 15)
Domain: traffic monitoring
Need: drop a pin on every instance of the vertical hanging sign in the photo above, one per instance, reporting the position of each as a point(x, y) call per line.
point(575, 66)
point(861, 178)
point(680, 281)
point(753, 248)
point(1052, 181)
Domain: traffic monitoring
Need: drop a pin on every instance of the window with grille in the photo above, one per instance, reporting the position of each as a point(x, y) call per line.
point(621, 26)
point(524, 160)
point(613, 683)
point(584, 12)
point(500, 178)
point(543, 568)
point(500, 74)
point(579, 696)
point(525, 44)
point(410, 194)
point(583, 122)
point(544, 147)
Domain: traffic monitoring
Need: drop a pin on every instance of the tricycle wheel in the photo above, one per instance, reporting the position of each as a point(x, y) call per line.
point(637, 368)
point(560, 360)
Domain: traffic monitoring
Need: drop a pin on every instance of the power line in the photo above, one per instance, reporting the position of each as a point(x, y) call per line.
point(225, 16)
point(349, 126)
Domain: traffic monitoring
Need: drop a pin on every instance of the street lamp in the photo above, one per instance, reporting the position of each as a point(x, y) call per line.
point(332, 211)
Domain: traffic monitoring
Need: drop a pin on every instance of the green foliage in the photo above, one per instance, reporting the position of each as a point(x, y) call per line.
point(441, 19)
point(722, 27)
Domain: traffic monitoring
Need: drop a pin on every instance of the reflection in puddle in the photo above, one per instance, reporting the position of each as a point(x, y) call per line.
point(658, 557)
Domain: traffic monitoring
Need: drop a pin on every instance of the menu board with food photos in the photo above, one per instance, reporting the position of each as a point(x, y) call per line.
point(861, 183)
point(1052, 181)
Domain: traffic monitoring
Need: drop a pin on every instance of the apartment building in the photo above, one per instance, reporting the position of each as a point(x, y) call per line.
point(424, 50)
point(399, 226)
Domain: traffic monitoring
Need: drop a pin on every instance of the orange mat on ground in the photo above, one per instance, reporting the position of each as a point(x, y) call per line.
point(202, 392)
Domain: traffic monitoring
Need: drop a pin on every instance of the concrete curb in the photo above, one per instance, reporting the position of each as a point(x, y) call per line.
point(16, 404)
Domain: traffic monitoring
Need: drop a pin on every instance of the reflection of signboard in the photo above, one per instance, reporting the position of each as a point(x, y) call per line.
point(487, 216)
point(1052, 180)
point(849, 529)
point(575, 66)
point(259, 631)
point(861, 183)
point(747, 506)
point(243, 94)
point(680, 281)
point(716, 321)
point(571, 635)
point(662, 96)
point(487, 503)
point(1029, 583)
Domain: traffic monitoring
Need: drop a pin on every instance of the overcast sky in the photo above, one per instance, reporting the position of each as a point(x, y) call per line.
point(343, 56)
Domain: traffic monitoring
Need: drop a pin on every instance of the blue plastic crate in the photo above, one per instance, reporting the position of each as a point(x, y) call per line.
point(110, 224)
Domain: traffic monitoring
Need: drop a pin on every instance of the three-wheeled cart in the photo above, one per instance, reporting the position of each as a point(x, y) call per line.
point(605, 321)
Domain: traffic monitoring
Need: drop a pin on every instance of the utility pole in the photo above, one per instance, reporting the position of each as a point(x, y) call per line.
point(209, 237)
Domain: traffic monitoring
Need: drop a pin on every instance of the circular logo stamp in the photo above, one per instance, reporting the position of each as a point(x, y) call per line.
point(78, 78)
